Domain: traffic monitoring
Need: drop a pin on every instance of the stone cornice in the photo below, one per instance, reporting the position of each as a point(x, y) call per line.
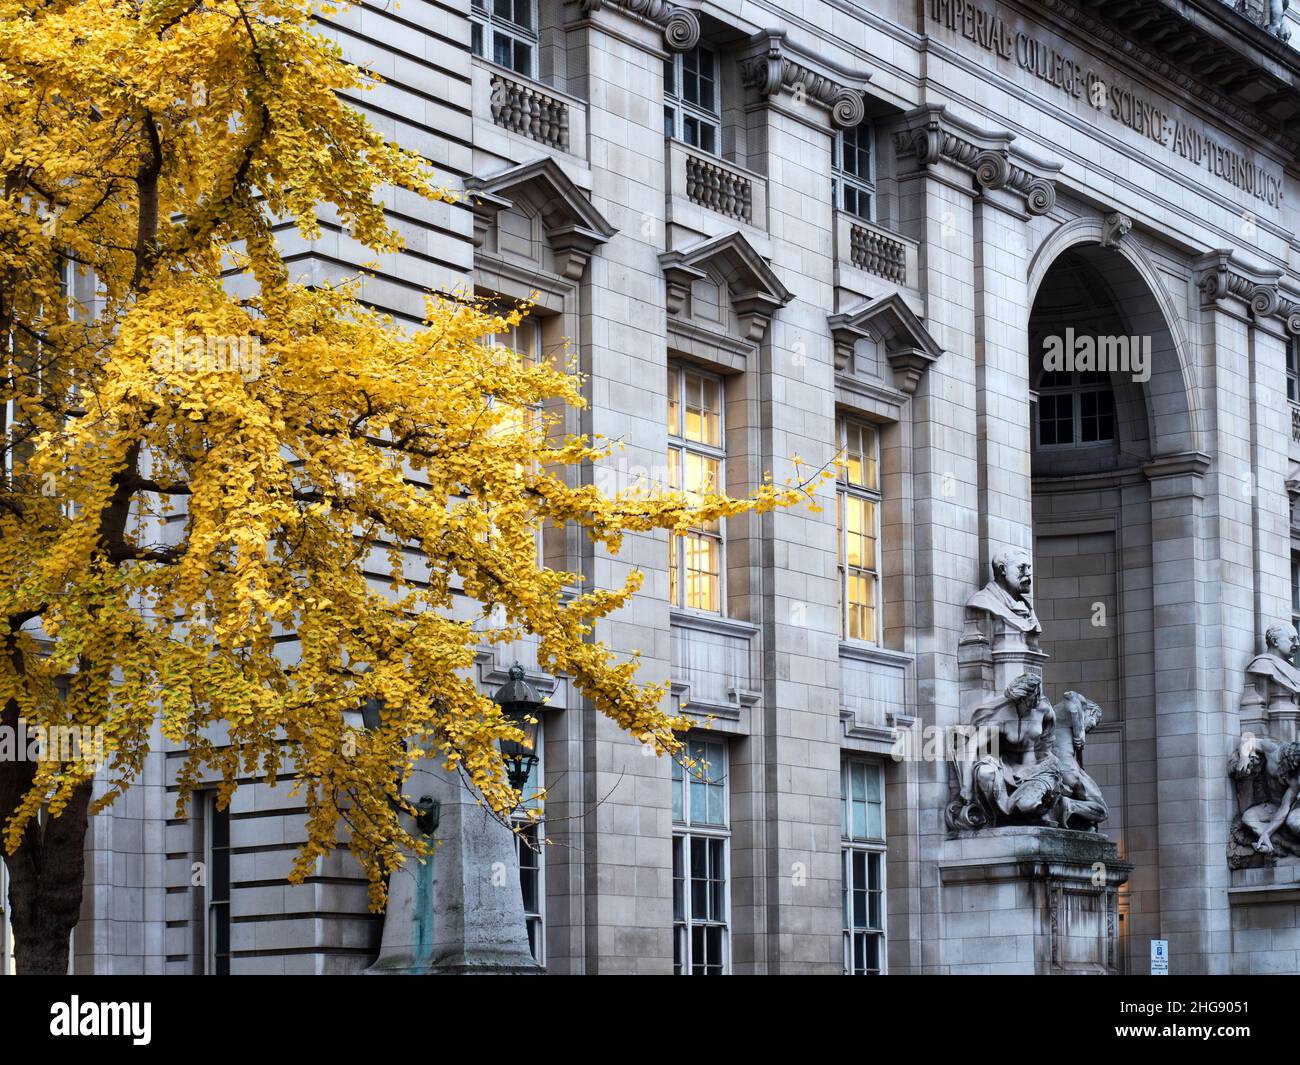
point(1219, 67)
point(773, 65)
point(930, 135)
point(1222, 276)
point(1183, 464)
point(681, 26)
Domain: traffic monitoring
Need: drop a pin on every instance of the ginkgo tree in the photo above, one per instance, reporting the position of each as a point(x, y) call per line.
point(202, 454)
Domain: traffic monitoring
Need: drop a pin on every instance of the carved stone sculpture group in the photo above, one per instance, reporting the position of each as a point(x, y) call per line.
point(1265, 767)
point(1022, 762)
point(1020, 759)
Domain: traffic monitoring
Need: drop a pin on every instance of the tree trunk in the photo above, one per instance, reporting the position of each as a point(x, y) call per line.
point(46, 872)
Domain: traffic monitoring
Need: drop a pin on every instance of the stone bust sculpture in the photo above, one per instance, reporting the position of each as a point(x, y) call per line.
point(1273, 674)
point(1006, 596)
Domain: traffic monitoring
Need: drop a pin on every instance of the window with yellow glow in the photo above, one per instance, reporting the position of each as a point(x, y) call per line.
point(857, 511)
point(695, 466)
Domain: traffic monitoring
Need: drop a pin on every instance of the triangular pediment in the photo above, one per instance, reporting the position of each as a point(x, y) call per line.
point(894, 326)
point(755, 290)
point(572, 224)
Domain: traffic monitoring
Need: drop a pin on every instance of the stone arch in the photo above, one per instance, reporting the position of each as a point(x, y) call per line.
point(1172, 411)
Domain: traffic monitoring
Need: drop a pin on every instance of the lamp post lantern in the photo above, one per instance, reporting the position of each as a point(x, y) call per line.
point(519, 704)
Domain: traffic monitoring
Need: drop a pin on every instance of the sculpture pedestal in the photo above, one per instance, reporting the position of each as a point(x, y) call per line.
point(461, 911)
point(991, 655)
point(1030, 900)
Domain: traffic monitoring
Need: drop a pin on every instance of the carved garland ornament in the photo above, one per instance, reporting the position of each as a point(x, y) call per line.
point(774, 71)
point(993, 168)
point(681, 27)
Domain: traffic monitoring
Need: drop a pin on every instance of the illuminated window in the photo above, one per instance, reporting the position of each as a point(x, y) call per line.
point(691, 106)
point(862, 807)
point(505, 31)
point(854, 171)
point(701, 853)
point(857, 510)
point(525, 340)
point(695, 466)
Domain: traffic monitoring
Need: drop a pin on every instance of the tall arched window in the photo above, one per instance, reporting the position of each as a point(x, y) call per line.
point(1075, 409)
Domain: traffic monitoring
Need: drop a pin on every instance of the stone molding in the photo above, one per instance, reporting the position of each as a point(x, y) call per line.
point(931, 135)
point(906, 343)
point(1222, 277)
point(756, 292)
point(773, 65)
point(681, 27)
point(1201, 86)
point(573, 225)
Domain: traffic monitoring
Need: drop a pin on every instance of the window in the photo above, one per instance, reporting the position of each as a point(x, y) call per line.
point(216, 860)
point(1293, 370)
point(691, 106)
point(524, 339)
point(862, 806)
point(529, 840)
point(857, 511)
point(695, 466)
point(7, 966)
point(853, 183)
point(1075, 409)
point(701, 840)
point(505, 31)
point(1295, 591)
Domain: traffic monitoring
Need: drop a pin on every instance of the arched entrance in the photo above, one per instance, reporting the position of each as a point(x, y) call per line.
point(1110, 408)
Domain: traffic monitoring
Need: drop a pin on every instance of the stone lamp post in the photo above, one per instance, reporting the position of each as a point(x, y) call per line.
point(461, 912)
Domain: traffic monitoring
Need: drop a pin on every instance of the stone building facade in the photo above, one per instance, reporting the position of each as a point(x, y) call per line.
point(769, 230)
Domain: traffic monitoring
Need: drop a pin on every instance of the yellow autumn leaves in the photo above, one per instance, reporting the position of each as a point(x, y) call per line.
point(243, 554)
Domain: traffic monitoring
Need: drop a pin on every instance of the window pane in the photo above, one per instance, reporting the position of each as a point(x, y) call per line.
point(678, 786)
point(1096, 416)
point(871, 954)
point(679, 880)
point(714, 944)
point(1056, 419)
point(674, 567)
point(716, 814)
point(871, 777)
point(674, 402)
point(701, 556)
point(702, 400)
point(501, 52)
point(860, 455)
point(523, 57)
point(699, 879)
